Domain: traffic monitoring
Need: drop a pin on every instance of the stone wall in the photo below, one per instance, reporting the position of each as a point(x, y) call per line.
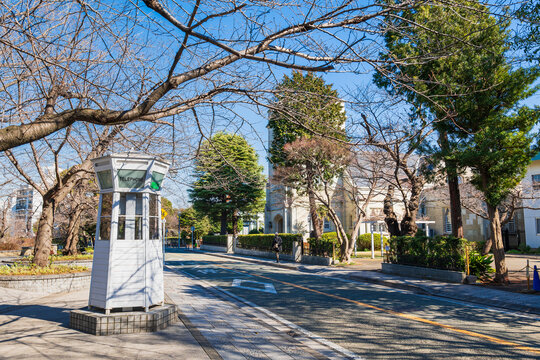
point(47, 283)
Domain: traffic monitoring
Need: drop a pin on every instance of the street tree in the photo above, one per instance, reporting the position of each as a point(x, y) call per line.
point(473, 96)
point(53, 184)
point(304, 107)
point(318, 164)
point(399, 136)
point(150, 60)
point(79, 211)
point(229, 180)
point(363, 181)
point(192, 218)
point(442, 86)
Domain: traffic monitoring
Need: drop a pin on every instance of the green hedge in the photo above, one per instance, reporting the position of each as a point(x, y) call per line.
point(263, 242)
point(364, 241)
point(440, 252)
point(325, 246)
point(215, 240)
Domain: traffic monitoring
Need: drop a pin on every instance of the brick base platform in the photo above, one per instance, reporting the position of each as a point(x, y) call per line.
point(97, 323)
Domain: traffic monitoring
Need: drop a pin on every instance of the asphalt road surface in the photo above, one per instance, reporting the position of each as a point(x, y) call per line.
point(372, 321)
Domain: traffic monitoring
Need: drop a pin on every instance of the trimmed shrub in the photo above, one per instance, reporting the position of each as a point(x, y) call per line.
point(440, 252)
point(480, 265)
point(215, 240)
point(325, 246)
point(263, 242)
point(364, 241)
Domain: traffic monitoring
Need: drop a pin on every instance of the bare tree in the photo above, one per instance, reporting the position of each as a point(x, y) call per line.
point(55, 184)
point(320, 163)
point(518, 199)
point(95, 62)
point(401, 144)
point(364, 182)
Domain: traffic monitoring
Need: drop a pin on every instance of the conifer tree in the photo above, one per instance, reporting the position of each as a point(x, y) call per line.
point(305, 106)
point(229, 180)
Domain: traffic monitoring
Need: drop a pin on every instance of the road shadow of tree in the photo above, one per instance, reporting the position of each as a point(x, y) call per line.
point(390, 330)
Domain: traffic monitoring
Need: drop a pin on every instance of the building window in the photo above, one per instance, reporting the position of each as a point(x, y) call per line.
point(537, 226)
point(536, 181)
point(447, 222)
point(326, 224)
point(511, 226)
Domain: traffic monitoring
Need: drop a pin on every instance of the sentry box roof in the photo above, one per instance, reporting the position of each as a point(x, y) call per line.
point(130, 172)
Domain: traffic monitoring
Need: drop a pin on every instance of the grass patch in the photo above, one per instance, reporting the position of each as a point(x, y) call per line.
point(20, 269)
point(60, 257)
point(71, 257)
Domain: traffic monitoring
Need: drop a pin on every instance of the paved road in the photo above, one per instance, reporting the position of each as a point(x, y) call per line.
point(369, 320)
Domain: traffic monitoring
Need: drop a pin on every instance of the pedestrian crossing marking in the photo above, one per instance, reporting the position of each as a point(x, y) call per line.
point(245, 284)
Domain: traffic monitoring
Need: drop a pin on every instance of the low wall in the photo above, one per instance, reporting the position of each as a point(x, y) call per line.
point(213, 248)
point(47, 283)
point(424, 273)
point(263, 254)
point(316, 260)
point(9, 253)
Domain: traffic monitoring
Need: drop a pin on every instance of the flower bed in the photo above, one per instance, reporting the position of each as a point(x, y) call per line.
point(19, 269)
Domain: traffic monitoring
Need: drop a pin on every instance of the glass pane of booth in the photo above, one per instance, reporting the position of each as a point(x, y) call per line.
point(121, 228)
point(154, 228)
point(105, 179)
point(153, 205)
point(157, 179)
point(106, 204)
point(131, 178)
point(138, 228)
point(130, 216)
point(105, 228)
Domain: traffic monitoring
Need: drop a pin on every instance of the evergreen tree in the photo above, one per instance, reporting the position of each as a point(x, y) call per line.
point(473, 95)
point(229, 180)
point(304, 107)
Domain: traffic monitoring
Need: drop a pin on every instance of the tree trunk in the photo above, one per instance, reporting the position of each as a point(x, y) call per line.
point(487, 246)
point(390, 216)
point(316, 220)
point(42, 247)
point(235, 223)
point(343, 239)
point(453, 189)
point(223, 229)
point(501, 272)
point(356, 231)
point(73, 233)
point(455, 205)
point(408, 223)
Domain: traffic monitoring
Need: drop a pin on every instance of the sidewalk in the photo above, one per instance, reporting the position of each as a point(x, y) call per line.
point(212, 325)
point(369, 273)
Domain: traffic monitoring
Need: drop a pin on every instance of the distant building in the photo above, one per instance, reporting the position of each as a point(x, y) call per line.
point(531, 210)
point(25, 212)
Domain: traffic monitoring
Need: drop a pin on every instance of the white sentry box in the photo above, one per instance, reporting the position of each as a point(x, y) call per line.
point(127, 269)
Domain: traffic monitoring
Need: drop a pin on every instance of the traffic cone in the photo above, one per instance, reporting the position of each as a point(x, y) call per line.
point(536, 280)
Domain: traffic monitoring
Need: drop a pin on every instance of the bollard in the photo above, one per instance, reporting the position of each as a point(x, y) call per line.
point(536, 280)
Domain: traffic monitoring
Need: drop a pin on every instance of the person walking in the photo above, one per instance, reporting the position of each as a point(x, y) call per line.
point(276, 246)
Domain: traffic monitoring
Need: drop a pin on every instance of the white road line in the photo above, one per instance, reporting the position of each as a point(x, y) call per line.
point(283, 325)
